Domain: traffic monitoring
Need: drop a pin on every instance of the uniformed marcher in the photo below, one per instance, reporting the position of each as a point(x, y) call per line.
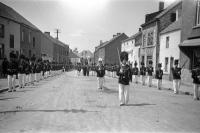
point(196, 80)
point(100, 70)
point(125, 76)
point(21, 71)
point(135, 73)
point(142, 73)
point(158, 76)
point(12, 72)
point(176, 72)
point(150, 73)
point(32, 70)
point(27, 71)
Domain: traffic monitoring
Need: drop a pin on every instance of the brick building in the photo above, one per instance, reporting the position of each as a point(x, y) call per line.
point(108, 50)
point(190, 37)
point(154, 24)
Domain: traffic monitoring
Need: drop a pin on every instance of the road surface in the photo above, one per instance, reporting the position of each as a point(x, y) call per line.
point(68, 103)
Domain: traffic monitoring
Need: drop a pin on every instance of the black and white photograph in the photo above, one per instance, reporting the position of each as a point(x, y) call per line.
point(99, 66)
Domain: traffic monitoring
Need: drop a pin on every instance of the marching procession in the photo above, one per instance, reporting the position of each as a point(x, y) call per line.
point(125, 72)
point(28, 70)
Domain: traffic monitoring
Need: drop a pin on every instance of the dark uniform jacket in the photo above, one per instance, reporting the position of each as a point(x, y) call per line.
point(135, 71)
point(150, 71)
point(12, 68)
point(100, 71)
point(196, 75)
point(28, 68)
point(21, 67)
point(126, 76)
point(142, 71)
point(176, 72)
point(159, 74)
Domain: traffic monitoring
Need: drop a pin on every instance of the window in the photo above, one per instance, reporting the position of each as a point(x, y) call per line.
point(198, 13)
point(173, 17)
point(11, 41)
point(22, 36)
point(167, 42)
point(166, 64)
point(144, 40)
point(2, 50)
point(29, 37)
point(149, 58)
point(33, 42)
point(150, 39)
point(2, 32)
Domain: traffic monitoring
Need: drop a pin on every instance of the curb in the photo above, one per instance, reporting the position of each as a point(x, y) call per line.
point(6, 89)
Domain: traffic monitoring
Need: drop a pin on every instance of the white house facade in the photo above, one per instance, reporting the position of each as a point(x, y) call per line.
point(170, 38)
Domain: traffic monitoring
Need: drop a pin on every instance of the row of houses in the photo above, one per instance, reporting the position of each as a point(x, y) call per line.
point(167, 34)
point(21, 36)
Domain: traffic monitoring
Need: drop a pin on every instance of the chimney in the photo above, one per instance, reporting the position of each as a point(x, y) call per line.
point(101, 42)
point(47, 33)
point(114, 36)
point(118, 34)
point(140, 29)
point(161, 5)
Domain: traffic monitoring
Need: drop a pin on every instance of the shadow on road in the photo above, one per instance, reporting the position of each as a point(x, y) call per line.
point(140, 104)
point(8, 98)
point(48, 111)
point(107, 90)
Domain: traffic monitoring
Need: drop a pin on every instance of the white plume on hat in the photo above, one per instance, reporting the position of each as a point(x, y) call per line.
point(100, 59)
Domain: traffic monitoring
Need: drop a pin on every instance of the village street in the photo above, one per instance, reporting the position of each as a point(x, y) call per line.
point(67, 103)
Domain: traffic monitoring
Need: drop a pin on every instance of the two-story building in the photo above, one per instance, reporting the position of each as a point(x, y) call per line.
point(132, 46)
point(9, 33)
point(154, 24)
point(170, 38)
point(190, 37)
point(108, 51)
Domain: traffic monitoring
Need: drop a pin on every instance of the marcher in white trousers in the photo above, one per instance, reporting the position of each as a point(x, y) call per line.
point(159, 84)
point(176, 85)
point(11, 82)
point(20, 77)
point(196, 91)
point(100, 82)
point(123, 94)
point(150, 81)
point(135, 78)
point(143, 79)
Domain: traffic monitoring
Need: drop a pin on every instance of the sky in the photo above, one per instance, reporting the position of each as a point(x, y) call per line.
point(83, 23)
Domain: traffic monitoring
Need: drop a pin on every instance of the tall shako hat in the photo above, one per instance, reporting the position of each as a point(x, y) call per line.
point(135, 64)
point(13, 55)
point(151, 62)
point(159, 64)
point(124, 56)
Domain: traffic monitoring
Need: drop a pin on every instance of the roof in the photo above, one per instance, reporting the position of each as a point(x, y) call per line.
point(110, 41)
point(9, 13)
point(163, 12)
point(132, 37)
point(177, 2)
point(192, 42)
point(73, 55)
point(54, 40)
point(173, 27)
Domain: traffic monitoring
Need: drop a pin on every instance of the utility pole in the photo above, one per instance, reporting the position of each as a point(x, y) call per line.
point(57, 31)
